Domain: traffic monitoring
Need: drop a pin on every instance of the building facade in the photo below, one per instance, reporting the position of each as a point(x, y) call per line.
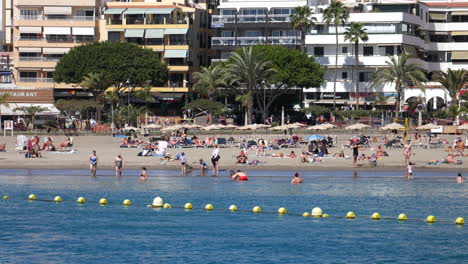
point(239, 23)
point(434, 33)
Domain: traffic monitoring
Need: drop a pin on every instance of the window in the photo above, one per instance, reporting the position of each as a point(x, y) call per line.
point(281, 11)
point(344, 50)
point(113, 36)
point(29, 14)
point(85, 13)
point(228, 12)
point(253, 34)
point(344, 75)
point(227, 34)
point(177, 40)
point(27, 74)
point(253, 12)
point(389, 50)
point(319, 51)
point(368, 51)
point(365, 76)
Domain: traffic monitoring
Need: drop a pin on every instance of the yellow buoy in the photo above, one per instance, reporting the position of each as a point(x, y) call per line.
point(257, 209)
point(317, 212)
point(158, 202)
point(32, 197)
point(325, 215)
point(127, 202)
point(282, 210)
point(305, 214)
point(209, 207)
point(81, 200)
point(167, 205)
point(350, 215)
point(57, 199)
point(188, 206)
point(103, 201)
point(431, 219)
point(375, 216)
point(460, 221)
point(232, 208)
point(6, 197)
point(402, 217)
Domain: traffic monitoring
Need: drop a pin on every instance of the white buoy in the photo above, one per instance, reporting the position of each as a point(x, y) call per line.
point(158, 202)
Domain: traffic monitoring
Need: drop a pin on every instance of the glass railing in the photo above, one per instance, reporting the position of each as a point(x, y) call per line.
point(230, 19)
point(35, 80)
point(247, 41)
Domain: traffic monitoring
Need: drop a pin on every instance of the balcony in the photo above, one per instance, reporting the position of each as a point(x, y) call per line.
point(35, 80)
point(39, 59)
point(249, 19)
point(248, 41)
point(40, 17)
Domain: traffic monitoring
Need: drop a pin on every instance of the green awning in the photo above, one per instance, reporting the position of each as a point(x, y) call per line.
point(154, 33)
point(176, 31)
point(114, 11)
point(134, 33)
point(135, 11)
point(175, 54)
point(159, 11)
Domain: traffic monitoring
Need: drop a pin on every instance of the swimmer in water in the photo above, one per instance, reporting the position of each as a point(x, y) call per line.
point(143, 174)
point(459, 178)
point(238, 176)
point(296, 179)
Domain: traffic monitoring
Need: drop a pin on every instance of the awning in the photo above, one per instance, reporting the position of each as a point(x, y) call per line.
point(330, 101)
point(28, 69)
point(55, 50)
point(438, 16)
point(85, 31)
point(154, 33)
point(135, 11)
point(58, 10)
point(169, 96)
point(9, 110)
point(440, 33)
point(159, 11)
point(114, 11)
point(459, 33)
point(134, 33)
point(175, 54)
point(30, 29)
point(176, 31)
point(57, 30)
point(460, 13)
point(29, 50)
point(459, 55)
point(48, 69)
point(115, 30)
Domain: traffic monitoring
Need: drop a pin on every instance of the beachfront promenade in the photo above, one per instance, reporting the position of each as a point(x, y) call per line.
point(107, 148)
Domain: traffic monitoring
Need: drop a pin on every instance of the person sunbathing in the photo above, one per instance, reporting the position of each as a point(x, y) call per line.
point(380, 152)
point(449, 159)
point(48, 145)
point(292, 155)
point(65, 144)
point(277, 155)
point(449, 149)
point(242, 158)
point(2, 147)
point(304, 157)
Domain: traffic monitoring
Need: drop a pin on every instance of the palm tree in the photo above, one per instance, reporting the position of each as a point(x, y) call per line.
point(209, 80)
point(249, 69)
point(32, 111)
point(97, 84)
point(3, 101)
point(146, 95)
point(302, 19)
point(113, 98)
point(353, 34)
point(402, 74)
point(453, 81)
point(337, 14)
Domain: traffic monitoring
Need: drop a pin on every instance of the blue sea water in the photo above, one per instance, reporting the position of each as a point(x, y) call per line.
point(67, 232)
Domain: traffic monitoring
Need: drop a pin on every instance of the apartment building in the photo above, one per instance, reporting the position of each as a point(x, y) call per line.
point(239, 23)
point(433, 32)
point(177, 30)
point(42, 33)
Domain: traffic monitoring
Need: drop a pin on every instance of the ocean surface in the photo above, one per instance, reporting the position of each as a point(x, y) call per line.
point(67, 232)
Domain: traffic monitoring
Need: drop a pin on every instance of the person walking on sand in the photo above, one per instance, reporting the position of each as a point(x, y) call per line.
point(118, 164)
point(93, 160)
point(183, 162)
point(296, 179)
point(215, 159)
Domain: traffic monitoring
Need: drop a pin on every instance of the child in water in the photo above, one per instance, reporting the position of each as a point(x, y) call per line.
point(409, 171)
point(459, 178)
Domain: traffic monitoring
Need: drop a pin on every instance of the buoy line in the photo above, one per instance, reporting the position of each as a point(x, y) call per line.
point(315, 213)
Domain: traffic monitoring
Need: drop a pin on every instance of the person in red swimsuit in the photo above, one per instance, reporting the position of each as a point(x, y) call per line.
point(239, 176)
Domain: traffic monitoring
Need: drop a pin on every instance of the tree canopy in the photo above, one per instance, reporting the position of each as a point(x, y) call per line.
point(201, 105)
point(118, 61)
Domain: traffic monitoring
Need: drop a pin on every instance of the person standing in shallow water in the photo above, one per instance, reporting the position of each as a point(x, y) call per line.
point(459, 178)
point(118, 164)
point(93, 159)
point(296, 179)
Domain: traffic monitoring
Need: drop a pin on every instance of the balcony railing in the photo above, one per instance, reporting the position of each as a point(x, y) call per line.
point(247, 41)
point(35, 80)
point(39, 59)
point(60, 38)
point(41, 17)
point(231, 19)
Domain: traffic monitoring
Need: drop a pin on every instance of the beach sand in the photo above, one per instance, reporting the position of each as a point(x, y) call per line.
point(107, 148)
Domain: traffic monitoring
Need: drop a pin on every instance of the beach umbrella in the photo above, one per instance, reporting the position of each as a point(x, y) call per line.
point(297, 124)
point(328, 125)
point(231, 126)
point(314, 137)
point(317, 127)
point(172, 128)
point(153, 126)
point(214, 127)
point(427, 127)
point(393, 126)
point(357, 126)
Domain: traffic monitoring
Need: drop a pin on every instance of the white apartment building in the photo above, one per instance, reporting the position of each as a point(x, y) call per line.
point(239, 23)
point(433, 32)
